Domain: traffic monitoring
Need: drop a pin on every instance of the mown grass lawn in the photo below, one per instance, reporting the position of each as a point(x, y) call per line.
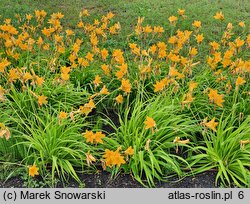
point(127, 11)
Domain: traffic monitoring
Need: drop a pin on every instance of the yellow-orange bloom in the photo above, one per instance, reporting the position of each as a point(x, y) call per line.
point(219, 16)
point(149, 123)
point(159, 86)
point(172, 19)
point(193, 51)
point(196, 24)
point(87, 108)
point(104, 90)
point(104, 54)
point(239, 42)
point(148, 29)
point(84, 12)
point(211, 124)
point(187, 99)
point(105, 68)
point(97, 80)
point(216, 98)
point(119, 98)
point(129, 151)
point(242, 24)
point(93, 137)
point(28, 17)
point(177, 141)
point(240, 81)
point(192, 85)
point(69, 32)
point(89, 56)
point(113, 158)
point(214, 45)
point(181, 12)
point(33, 170)
point(3, 64)
point(90, 136)
point(42, 100)
point(199, 38)
point(63, 115)
point(98, 137)
point(126, 86)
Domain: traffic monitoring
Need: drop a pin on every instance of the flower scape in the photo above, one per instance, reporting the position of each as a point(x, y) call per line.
point(182, 100)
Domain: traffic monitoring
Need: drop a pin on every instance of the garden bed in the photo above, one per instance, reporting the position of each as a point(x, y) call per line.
point(168, 100)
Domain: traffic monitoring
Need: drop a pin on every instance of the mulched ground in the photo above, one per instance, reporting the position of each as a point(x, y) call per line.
point(103, 180)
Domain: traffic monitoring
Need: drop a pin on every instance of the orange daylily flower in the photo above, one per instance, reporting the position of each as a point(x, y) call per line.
point(181, 12)
point(63, 115)
point(105, 69)
point(149, 123)
point(242, 24)
point(199, 38)
point(239, 43)
point(39, 81)
point(89, 56)
point(129, 151)
point(97, 80)
point(196, 24)
point(104, 54)
point(240, 81)
point(214, 45)
point(211, 124)
point(159, 86)
point(147, 29)
point(119, 98)
point(104, 90)
point(33, 170)
point(93, 138)
point(192, 85)
point(216, 98)
point(193, 51)
point(187, 99)
point(90, 136)
point(113, 158)
point(69, 32)
point(147, 145)
point(98, 137)
point(42, 100)
point(126, 86)
point(3, 64)
point(172, 19)
point(39, 42)
point(219, 16)
point(87, 108)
